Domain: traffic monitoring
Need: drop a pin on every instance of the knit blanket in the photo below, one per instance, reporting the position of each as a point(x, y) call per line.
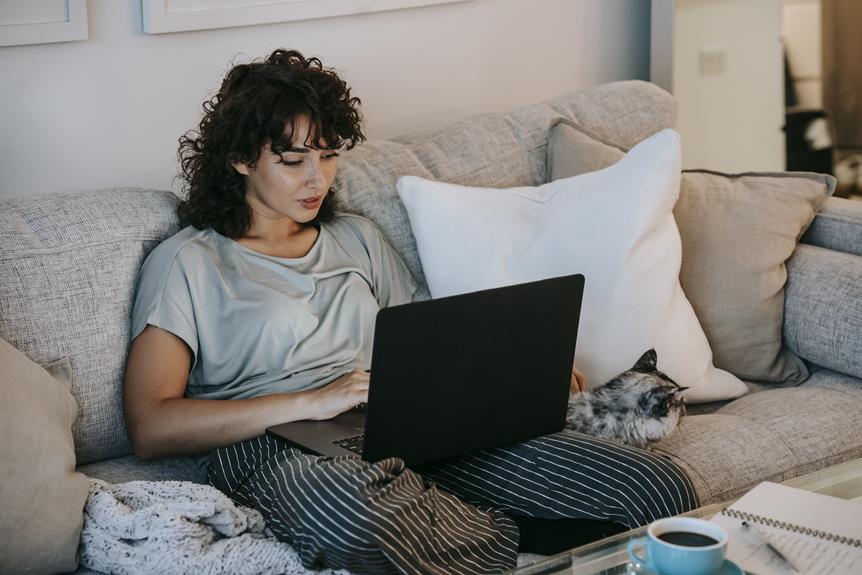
point(178, 527)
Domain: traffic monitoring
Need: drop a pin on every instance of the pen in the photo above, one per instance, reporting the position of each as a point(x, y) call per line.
point(747, 526)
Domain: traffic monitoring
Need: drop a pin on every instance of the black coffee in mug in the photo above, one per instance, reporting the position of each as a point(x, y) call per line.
point(687, 539)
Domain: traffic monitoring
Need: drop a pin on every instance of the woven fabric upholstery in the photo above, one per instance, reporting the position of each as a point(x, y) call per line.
point(838, 226)
point(489, 150)
point(772, 435)
point(365, 184)
point(822, 378)
point(68, 270)
point(130, 468)
point(753, 387)
point(823, 308)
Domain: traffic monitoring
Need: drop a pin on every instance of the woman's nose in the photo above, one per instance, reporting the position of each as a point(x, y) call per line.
point(313, 177)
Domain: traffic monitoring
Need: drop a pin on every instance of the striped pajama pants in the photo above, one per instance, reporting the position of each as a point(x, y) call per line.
point(454, 517)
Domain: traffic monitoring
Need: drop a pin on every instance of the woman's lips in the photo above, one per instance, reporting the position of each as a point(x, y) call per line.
point(312, 203)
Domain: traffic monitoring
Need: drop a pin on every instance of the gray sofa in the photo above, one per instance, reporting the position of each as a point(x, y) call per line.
point(69, 266)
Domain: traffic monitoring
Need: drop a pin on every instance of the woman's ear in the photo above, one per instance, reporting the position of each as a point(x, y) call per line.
point(241, 168)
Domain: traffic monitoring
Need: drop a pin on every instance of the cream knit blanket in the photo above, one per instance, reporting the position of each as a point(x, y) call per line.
point(178, 527)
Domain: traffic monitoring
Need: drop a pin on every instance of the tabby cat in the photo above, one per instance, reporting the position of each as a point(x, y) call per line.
point(637, 407)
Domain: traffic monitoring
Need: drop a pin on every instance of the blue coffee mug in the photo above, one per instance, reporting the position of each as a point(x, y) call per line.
point(668, 558)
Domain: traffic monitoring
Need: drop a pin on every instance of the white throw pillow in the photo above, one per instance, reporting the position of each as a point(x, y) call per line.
point(615, 226)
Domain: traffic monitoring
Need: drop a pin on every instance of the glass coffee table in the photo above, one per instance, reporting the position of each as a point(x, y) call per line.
point(609, 557)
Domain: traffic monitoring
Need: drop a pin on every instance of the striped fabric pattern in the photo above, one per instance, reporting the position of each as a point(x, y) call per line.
point(570, 475)
point(345, 513)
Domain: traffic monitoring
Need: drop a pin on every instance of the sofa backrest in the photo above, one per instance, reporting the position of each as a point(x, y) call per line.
point(68, 268)
point(69, 262)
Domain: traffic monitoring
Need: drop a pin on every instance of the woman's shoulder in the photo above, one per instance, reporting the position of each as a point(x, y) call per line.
point(353, 225)
point(184, 246)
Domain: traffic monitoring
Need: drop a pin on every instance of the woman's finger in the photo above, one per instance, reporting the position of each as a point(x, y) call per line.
point(579, 380)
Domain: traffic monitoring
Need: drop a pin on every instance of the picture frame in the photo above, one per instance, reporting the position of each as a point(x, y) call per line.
point(25, 22)
point(162, 16)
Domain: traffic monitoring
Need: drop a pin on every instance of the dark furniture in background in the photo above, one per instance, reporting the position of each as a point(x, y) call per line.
point(804, 153)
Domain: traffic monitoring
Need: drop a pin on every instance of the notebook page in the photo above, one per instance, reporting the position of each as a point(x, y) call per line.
point(803, 508)
point(808, 553)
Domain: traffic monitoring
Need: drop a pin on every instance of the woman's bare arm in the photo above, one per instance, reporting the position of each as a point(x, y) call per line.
point(161, 421)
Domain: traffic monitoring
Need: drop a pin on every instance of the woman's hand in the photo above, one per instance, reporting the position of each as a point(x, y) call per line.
point(344, 393)
point(579, 381)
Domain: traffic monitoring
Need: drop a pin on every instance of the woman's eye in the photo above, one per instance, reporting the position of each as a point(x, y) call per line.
point(331, 156)
point(291, 162)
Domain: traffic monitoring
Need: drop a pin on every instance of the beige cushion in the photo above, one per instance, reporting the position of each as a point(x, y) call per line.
point(42, 496)
point(737, 233)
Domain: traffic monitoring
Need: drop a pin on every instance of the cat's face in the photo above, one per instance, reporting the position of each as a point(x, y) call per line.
point(651, 392)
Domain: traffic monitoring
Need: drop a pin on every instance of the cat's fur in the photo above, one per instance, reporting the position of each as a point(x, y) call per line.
point(637, 407)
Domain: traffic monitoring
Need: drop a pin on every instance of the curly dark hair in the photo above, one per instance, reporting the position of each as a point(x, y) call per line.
point(258, 104)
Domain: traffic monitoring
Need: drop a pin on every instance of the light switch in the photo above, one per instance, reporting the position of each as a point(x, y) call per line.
point(713, 60)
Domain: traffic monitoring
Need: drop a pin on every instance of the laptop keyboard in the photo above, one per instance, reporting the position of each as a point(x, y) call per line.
point(353, 443)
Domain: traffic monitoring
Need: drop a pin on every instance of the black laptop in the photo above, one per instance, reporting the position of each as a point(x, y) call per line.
point(458, 374)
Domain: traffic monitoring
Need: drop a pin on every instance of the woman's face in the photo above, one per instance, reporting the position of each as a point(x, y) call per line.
point(290, 186)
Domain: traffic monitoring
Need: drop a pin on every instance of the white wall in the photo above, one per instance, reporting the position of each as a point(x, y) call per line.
point(730, 116)
point(108, 111)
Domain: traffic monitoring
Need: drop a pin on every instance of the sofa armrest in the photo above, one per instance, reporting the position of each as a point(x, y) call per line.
point(823, 308)
point(838, 226)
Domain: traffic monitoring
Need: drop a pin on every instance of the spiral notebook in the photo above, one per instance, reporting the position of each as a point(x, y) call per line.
point(818, 534)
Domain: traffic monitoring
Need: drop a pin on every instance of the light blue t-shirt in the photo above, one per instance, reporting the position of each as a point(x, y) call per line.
point(259, 324)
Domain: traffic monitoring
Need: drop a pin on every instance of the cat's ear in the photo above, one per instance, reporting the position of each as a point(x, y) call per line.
point(646, 363)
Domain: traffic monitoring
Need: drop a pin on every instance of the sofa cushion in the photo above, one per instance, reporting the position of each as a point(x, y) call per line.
point(68, 270)
point(488, 150)
point(822, 378)
point(824, 308)
point(614, 226)
point(838, 226)
point(365, 184)
point(772, 435)
point(43, 497)
point(737, 232)
point(753, 387)
point(130, 468)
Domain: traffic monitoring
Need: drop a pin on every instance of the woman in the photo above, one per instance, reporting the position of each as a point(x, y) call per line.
point(267, 299)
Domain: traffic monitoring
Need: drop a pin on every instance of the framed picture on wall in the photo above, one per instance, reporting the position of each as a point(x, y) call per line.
point(162, 16)
point(42, 22)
